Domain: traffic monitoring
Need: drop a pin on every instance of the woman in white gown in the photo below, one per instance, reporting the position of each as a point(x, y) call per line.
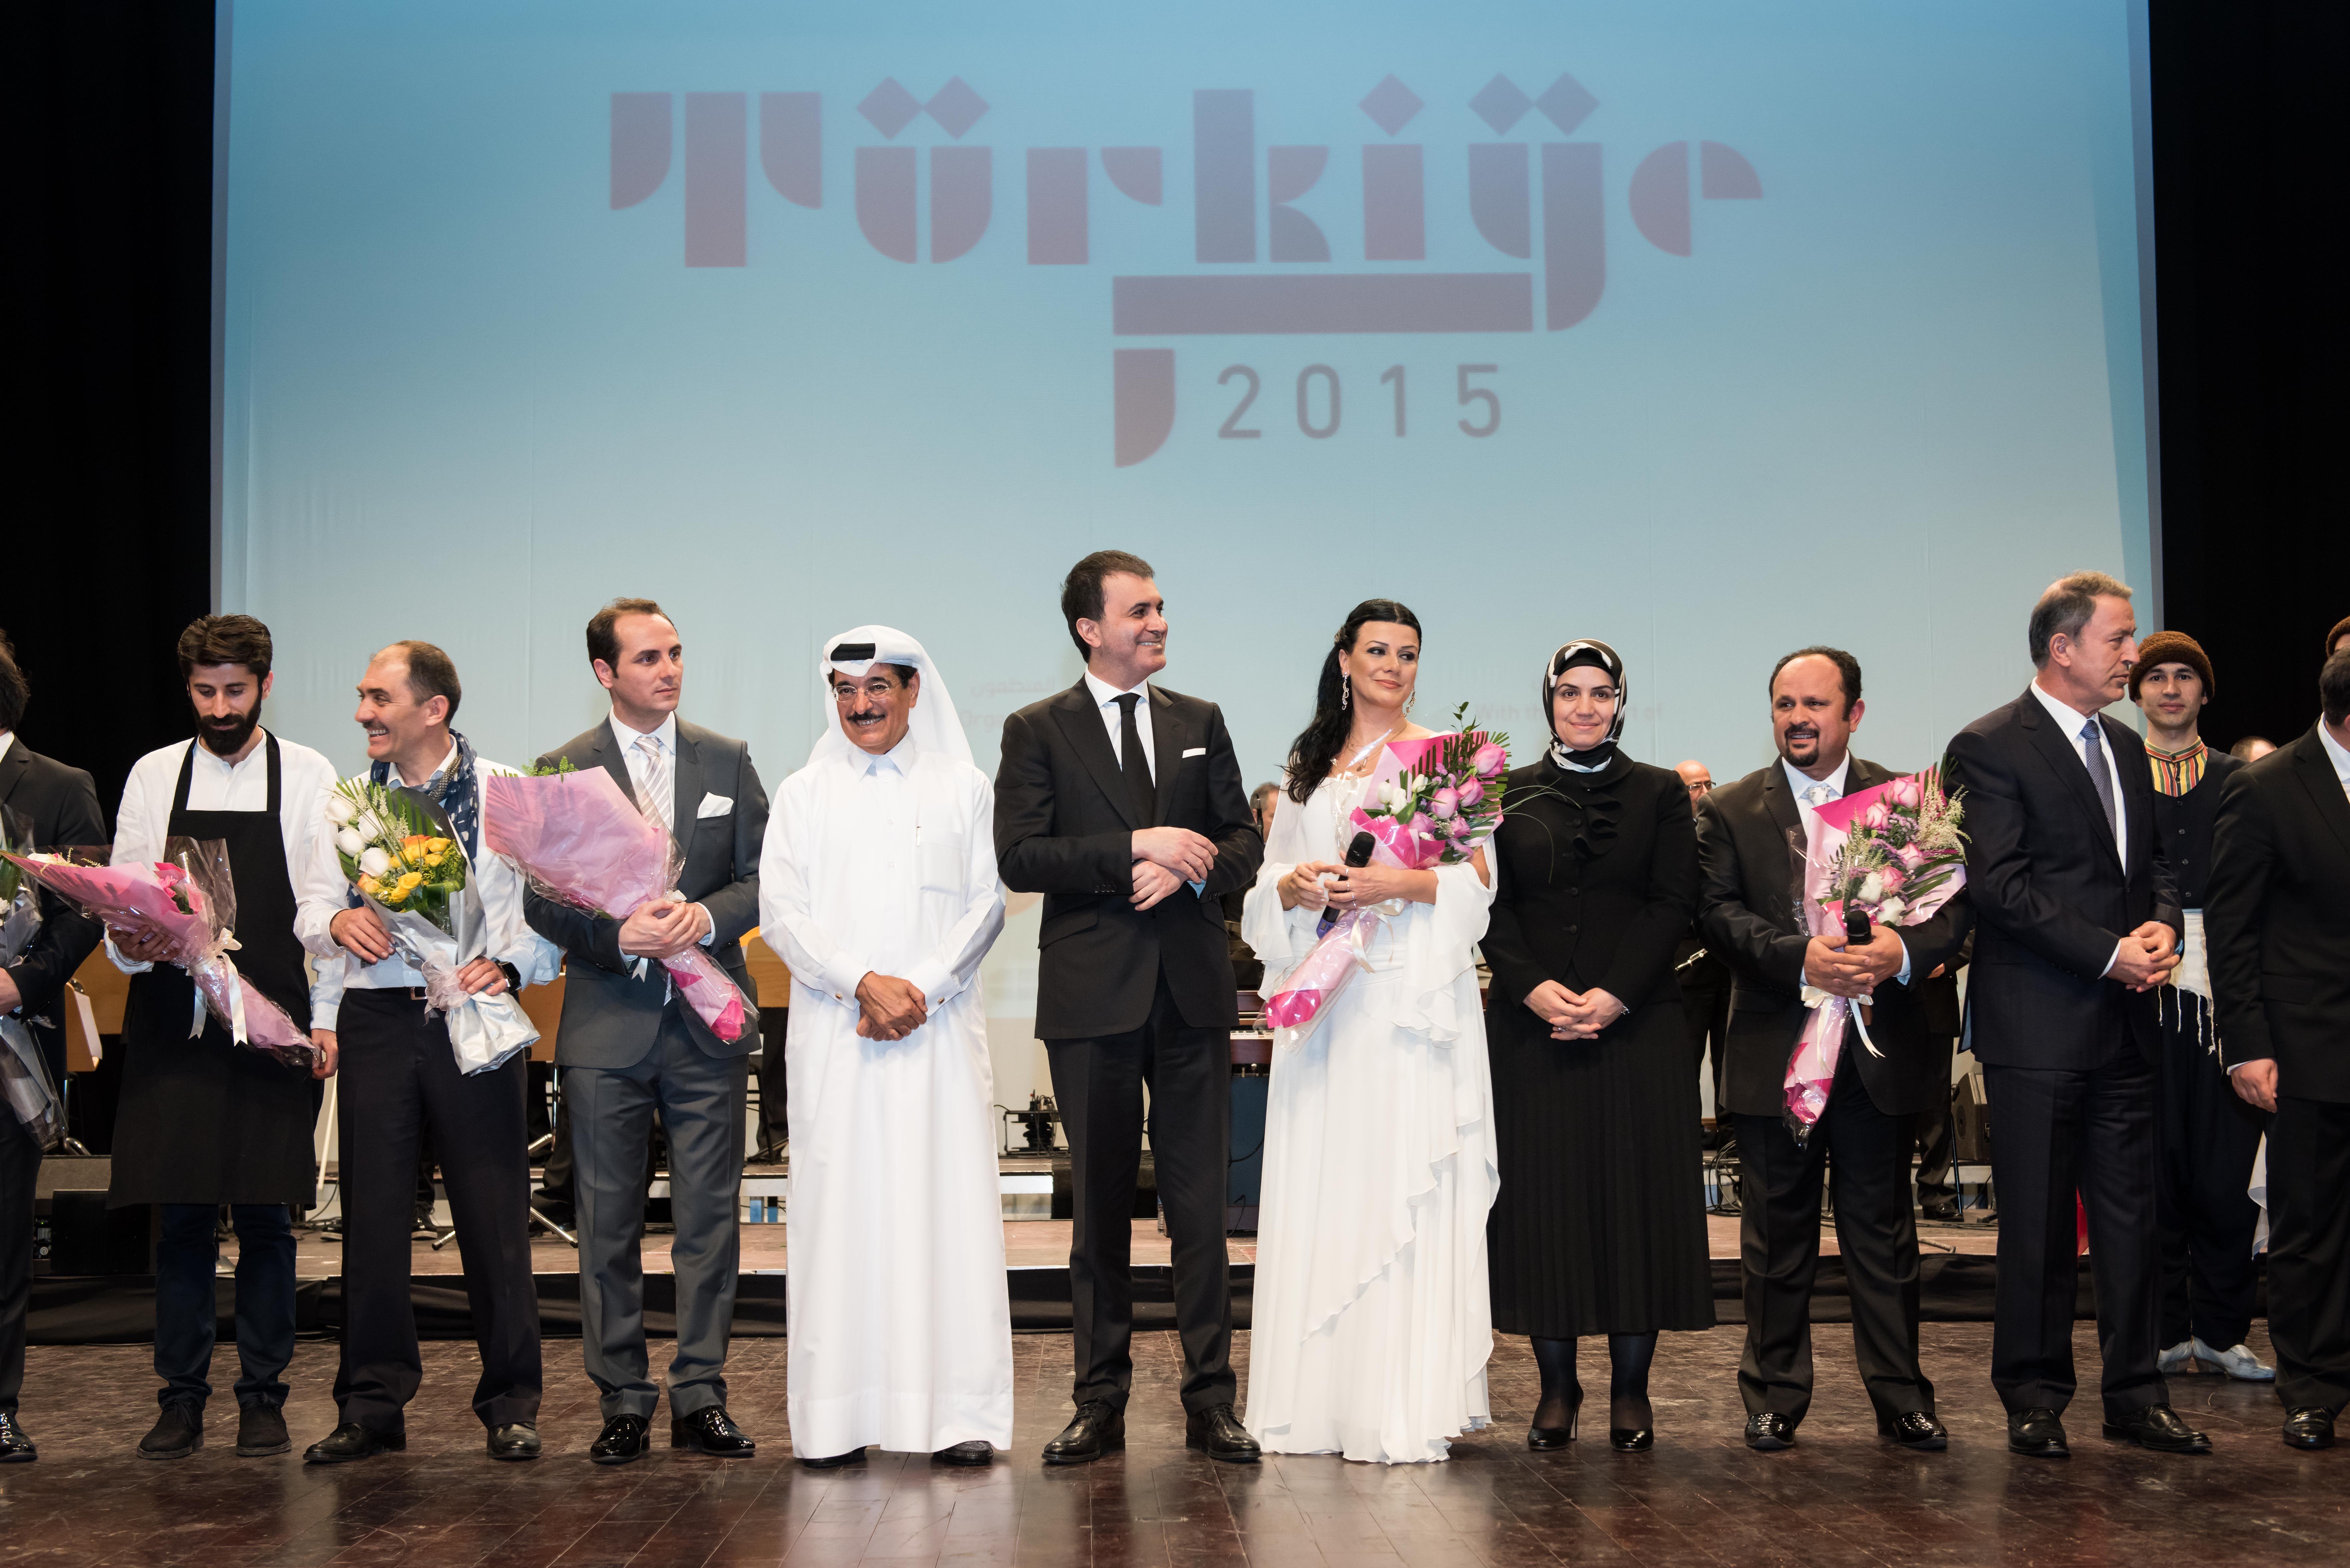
point(1371, 1322)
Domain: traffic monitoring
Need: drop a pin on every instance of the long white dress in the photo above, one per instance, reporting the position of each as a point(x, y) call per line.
point(899, 1320)
point(1371, 1322)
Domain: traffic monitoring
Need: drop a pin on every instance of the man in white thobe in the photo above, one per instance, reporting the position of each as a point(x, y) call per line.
point(877, 886)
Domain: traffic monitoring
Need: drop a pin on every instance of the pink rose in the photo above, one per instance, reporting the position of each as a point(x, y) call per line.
point(1905, 791)
point(1471, 791)
point(1444, 804)
point(1489, 760)
point(1912, 858)
point(1421, 825)
point(1877, 815)
point(1890, 878)
point(1457, 828)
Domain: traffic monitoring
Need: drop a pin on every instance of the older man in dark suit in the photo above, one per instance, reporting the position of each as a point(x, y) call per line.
point(1121, 802)
point(54, 806)
point(630, 1046)
point(2077, 926)
point(2277, 917)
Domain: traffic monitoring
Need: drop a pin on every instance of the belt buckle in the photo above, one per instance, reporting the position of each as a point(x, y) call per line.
point(418, 994)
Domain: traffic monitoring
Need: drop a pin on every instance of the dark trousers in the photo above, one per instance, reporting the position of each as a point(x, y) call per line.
point(2309, 1251)
point(20, 1162)
point(1935, 1141)
point(1866, 1156)
point(186, 1256)
point(2061, 1133)
point(399, 1078)
point(1099, 1084)
point(610, 1111)
point(1707, 1008)
point(2208, 1137)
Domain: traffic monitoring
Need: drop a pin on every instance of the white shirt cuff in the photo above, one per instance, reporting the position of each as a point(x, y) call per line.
point(1904, 976)
point(2111, 962)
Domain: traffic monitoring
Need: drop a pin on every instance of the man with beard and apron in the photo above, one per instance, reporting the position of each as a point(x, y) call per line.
point(203, 1121)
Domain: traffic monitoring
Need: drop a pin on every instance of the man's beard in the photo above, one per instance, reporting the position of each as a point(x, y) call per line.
point(225, 739)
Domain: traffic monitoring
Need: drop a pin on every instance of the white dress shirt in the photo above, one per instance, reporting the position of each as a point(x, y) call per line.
point(7, 739)
point(2336, 752)
point(1799, 782)
point(2071, 720)
point(143, 821)
point(325, 892)
point(664, 741)
point(1106, 697)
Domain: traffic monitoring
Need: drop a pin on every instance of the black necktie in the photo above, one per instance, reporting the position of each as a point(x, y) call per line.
point(1135, 762)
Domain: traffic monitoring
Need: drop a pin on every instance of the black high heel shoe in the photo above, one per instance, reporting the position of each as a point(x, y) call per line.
point(1631, 1440)
point(1542, 1440)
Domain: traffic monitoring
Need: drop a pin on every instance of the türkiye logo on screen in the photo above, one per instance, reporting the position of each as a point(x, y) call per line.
point(1517, 190)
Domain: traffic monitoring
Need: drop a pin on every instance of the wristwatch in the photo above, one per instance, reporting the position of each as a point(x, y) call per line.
point(514, 975)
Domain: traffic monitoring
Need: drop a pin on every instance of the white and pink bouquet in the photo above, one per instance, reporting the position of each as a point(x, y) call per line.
point(1893, 854)
point(189, 896)
point(582, 842)
point(1430, 802)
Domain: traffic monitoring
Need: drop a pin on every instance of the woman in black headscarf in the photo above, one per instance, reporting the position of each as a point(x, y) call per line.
point(1600, 1224)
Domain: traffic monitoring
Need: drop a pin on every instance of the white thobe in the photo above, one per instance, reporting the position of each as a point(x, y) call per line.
point(901, 1319)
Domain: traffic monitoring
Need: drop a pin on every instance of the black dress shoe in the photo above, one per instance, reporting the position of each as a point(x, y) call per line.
point(834, 1461)
point(260, 1431)
point(1940, 1213)
point(709, 1431)
point(1097, 1429)
point(2158, 1427)
point(352, 1442)
point(1767, 1432)
point(1218, 1433)
point(978, 1451)
point(2308, 1426)
point(623, 1438)
point(178, 1432)
point(2037, 1434)
point(514, 1440)
point(1915, 1429)
point(15, 1447)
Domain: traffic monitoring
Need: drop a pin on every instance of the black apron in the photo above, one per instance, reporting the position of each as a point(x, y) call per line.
point(206, 1120)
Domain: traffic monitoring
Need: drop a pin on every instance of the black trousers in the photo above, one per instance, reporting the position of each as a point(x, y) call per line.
point(1706, 1007)
point(187, 1255)
point(2208, 1137)
point(20, 1162)
point(2061, 1133)
point(399, 1076)
point(1936, 1139)
point(1866, 1157)
point(2309, 1251)
point(1099, 1084)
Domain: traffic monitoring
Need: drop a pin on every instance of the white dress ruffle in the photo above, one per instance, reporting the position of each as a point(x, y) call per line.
point(1371, 1321)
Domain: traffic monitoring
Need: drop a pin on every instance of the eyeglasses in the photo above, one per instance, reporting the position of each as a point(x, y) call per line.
point(879, 690)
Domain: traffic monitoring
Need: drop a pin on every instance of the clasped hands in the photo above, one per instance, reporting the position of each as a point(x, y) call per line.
point(663, 929)
point(1854, 972)
point(2146, 957)
point(1573, 1015)
point(361, 933)
point(889, 1008)
point(1166, 858)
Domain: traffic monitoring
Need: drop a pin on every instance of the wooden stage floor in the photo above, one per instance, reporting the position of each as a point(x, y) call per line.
point(1840, 1497)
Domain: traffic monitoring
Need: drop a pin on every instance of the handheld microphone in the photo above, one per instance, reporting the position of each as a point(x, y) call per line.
point(1359, 854)
point(1856, 928)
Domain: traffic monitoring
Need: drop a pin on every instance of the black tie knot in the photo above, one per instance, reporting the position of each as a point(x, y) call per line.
point(1135, 762)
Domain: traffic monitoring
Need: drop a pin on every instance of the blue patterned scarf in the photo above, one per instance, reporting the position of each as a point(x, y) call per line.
point(458, 797)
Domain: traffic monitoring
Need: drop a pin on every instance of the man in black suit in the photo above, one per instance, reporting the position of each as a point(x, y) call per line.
point(1122, 803)
point(2278, 918)
point(1748, 911)
point(629, 1045)
point(2077, 925)
point(55, 806)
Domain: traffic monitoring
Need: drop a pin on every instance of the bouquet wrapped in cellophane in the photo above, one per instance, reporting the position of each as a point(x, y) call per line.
point(24, 1072)
point(190, 897)
point(400, 854)
point(1430, 802)
point(1893, 853)
point(582, 842)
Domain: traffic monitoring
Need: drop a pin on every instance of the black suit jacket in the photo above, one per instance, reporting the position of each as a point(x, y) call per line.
point(1064, 827)
point(59, 807)
point(1746, 908)
point(2277, 921)
point(610, 1017)
point(2052, 898)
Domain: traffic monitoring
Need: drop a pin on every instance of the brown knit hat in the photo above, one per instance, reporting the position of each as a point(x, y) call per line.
point(2169, 648)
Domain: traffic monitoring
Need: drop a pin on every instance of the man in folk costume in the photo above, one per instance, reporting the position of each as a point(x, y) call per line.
point(878, 888)
point(204, 1121)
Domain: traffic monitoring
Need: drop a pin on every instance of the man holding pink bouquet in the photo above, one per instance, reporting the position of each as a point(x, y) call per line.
point(203, 1121)
point(1754, 908)
point(401, 1075)
point(631, 1044)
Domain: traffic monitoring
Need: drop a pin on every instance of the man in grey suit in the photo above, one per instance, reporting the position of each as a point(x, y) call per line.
point(628, 1044)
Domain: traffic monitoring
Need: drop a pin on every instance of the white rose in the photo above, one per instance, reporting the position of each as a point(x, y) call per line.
point(1872, 888)
point(375, 862)
point(350, 843)
point(341, 808)
point(1889, 912)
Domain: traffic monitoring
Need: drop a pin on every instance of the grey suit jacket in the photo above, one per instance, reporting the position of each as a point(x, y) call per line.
point(611, 1017)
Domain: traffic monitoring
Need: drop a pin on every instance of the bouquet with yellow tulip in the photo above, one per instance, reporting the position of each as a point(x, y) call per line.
point(401, 856)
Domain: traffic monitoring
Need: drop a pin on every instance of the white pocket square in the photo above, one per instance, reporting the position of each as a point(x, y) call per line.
point(714, 805)
point(1195, 750)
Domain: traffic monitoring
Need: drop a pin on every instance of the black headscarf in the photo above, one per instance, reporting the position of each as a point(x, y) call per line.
point(1589, 651)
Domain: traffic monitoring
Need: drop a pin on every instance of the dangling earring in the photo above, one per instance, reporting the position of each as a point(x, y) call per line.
point(1410, 701)
point(1346, 692)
